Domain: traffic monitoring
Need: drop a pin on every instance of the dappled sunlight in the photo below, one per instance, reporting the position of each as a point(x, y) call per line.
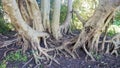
point(85, 8)
point(86, 5)
point(114, 28)
point(78, 25)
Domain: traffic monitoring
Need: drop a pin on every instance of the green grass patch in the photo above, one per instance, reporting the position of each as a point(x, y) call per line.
point(3, 64)
point(16, 56)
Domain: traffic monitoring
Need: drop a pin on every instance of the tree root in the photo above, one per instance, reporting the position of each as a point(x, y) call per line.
point(64, 28)
point(38, 51)
point(27, 62)
point(88, 53)
point(5, 53)
point(7, 43)
point(116, 43)
point(108, 49)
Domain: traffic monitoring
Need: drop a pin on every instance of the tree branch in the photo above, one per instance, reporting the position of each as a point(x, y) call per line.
point(79, 17)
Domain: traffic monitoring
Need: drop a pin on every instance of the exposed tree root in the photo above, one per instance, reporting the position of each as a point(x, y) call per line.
point(27, 62)
point(67, 46)
point(65, 28)
point(88, 53)
point(7, 43)
point(108, 49)
point(116, 44)
point(5, 53)
point(95, 43)
point(39, 51)
point(27, 20)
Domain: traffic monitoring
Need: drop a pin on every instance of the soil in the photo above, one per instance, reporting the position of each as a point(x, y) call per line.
point(102, 61)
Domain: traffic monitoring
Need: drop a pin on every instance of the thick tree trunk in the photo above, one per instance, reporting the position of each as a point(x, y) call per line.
point(31, 37)
point(55, 19)
point(36, 15)
point(93, 28)
point(45, 11)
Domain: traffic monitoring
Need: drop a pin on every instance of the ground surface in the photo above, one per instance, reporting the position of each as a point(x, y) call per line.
point(103, 61)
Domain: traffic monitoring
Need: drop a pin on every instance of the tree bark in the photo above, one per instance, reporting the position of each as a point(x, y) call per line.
point(30, 36)
point(56, 19)
point(96, 24)
point(45, 11)
point(31, 26)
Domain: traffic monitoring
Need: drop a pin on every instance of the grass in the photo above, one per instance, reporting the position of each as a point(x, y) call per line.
point(13, 57)
point(3, 64)
point(16, 56)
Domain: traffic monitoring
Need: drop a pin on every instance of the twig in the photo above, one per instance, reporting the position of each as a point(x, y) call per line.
point(7, 43)
point(5, 53)
point(27, 62)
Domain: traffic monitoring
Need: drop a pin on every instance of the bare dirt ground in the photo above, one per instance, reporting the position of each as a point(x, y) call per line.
point(104, 61)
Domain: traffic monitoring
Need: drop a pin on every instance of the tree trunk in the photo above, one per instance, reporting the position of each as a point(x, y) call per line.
point(55, 19)
point(66, 24)
point(93, 28)
point(26, 17)
point(31, 37)
point(45, 11)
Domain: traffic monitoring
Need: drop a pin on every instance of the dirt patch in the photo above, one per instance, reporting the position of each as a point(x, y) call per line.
point(104, 61)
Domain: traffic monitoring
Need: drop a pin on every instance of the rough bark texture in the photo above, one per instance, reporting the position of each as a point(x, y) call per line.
point(45, 11)
point(55, 19)
point(26, 17)
point(95, 25)
point(30, 36)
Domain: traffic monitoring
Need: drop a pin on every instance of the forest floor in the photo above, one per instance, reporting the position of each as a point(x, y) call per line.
point(102, 61)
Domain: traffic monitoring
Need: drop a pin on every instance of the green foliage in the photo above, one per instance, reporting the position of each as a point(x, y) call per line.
point(0, 4)
point(63, 13)
point(13, 57)
point(85, 7)
point(111, 32)
point(117, 18)
point(76, 23)
point(16, 56)
point(41, 66)
point(3, 64)
point(115, 27)
point(96, 56)
point(117, 22)
point(4, 27)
